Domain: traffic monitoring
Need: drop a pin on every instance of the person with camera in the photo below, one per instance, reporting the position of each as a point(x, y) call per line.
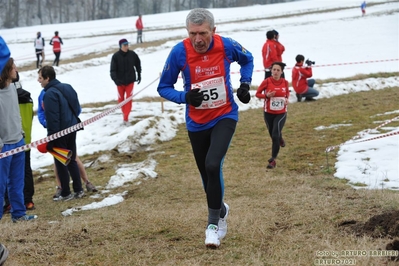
point(301, 81)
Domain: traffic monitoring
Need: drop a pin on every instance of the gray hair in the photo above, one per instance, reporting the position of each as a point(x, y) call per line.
point(198, 16)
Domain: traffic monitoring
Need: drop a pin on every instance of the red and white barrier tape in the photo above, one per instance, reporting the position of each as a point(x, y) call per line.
point(70, 129)
point(338, 64)
point(107, 112)
point(361, 135)
point(379, 137)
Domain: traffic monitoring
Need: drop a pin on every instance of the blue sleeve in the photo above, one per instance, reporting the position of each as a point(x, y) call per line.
point(40, 110)
point(174, 63)
point(4, 54)
point(52, 110)
point(237, 53)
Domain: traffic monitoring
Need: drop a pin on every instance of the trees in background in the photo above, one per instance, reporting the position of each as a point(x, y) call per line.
point(19, 13)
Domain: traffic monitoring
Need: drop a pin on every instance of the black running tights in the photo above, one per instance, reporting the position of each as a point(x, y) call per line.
point(210, 147)
point(275, 124)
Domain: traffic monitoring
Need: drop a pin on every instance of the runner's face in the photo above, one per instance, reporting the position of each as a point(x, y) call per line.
point(200, 36)
point(276, 72)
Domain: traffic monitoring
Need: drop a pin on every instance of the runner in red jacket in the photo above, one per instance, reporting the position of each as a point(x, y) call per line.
point(274, 90)
point(269, 53)
point(56, 42)
point(303, 86)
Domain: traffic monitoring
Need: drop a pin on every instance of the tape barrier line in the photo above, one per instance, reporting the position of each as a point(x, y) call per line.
point(107, 112)
point(73, 128)
point(338, 64)
point(361, 135)
point(379, 137)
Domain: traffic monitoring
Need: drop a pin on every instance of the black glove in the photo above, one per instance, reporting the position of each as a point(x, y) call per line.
point(139, 78)
point(243, 93)
point(194, 97)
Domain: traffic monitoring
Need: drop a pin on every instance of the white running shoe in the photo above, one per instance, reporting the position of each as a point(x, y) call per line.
point(222, 225)
point(211, 237)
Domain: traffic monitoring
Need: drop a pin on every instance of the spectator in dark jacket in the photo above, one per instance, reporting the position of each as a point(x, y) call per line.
point(61, 106)
point(124, 65)
point(83, 175)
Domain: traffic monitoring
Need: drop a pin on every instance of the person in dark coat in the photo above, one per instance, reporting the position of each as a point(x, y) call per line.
point(61, 106)
point(125, 70)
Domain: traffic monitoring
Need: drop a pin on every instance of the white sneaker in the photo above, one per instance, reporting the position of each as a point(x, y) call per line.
point(211, 237)
point(222, 225)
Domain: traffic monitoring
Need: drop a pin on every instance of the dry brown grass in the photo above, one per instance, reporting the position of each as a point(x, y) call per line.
point(278, 217)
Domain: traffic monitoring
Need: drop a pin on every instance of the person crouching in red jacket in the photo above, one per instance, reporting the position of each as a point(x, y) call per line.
point(303, 86)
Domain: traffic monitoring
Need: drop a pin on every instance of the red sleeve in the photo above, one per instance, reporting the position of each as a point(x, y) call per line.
point(294, 76)
point(269, 54)
point(139, 24)
point(273, 54)
point(288, 89)
point(260, 93)
point(306, 72)
point(264, 55)
point(280, 47)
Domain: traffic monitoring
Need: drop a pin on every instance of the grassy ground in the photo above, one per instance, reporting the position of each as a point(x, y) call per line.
point(286, 216)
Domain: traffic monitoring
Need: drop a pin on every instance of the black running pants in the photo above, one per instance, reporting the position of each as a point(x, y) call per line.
point(210, 147)
point(275, 124)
